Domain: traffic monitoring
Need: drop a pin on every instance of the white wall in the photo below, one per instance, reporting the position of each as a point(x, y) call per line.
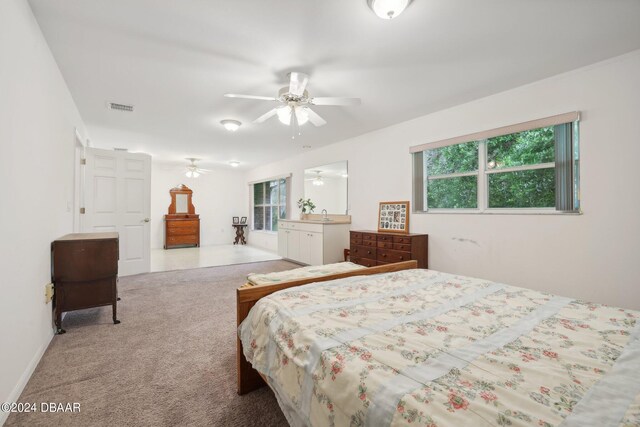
point(593, 256)
point(37, 121)
point(217, 196)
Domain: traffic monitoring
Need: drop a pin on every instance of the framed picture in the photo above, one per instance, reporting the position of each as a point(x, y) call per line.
point(243, 220)
point(236, 220)
point(393, 217)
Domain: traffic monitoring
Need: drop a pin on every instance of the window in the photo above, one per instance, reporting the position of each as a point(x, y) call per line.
point(269, 204)
point(531, 168)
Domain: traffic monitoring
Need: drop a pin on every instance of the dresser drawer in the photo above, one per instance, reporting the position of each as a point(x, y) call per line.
point(387, 255)
point(355, 241)
point(402, 239)
point(368, 236)
point(356, 235)
point(182, 224)
point(383, 238)
point(363, 251)
point(182, 240)
point(385, 245)
point(370, 243)
point(364, 261)
point(402, 247)
point(192, 231)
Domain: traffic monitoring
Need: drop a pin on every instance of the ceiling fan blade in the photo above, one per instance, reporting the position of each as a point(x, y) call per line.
point(203, 170)
point(298, 83)
point(262, 98)
point(335, 101)
point(266, 116)
point(315, 118)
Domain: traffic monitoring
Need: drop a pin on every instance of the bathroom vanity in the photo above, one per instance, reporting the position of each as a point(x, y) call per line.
point(314, 241)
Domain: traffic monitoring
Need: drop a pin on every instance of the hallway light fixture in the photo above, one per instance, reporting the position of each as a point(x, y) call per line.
point(388, 9)
point(231, 125)
point(234, 164)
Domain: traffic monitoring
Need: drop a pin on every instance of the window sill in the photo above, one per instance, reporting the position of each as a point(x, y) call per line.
point(497, 212)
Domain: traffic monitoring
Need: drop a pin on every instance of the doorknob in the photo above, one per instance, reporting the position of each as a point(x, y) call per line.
point(146, 220)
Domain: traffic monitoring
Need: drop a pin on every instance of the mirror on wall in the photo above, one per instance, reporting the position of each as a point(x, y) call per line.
point(326, 186)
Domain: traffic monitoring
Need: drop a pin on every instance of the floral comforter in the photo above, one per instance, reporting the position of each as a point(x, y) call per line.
point(420, 347)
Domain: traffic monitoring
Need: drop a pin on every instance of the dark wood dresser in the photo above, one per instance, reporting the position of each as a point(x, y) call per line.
point(84, 272)
point(371, 248)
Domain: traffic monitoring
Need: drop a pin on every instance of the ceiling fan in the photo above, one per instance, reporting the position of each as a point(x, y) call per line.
point(317, 180)
point(192, 170)
point(295, 103)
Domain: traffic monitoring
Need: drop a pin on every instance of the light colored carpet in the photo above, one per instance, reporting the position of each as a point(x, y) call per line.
point(170, 362)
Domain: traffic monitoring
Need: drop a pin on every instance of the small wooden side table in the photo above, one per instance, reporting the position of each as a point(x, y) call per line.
point(240, 234)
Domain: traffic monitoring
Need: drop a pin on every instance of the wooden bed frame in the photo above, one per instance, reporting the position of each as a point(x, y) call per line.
point(248, 378)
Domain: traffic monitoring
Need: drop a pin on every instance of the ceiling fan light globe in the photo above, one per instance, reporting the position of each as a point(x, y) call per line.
point(388, 9)
point(284, 115)
point(231, 125)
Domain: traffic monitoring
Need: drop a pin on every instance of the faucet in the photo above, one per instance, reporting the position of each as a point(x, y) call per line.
point(324, 215)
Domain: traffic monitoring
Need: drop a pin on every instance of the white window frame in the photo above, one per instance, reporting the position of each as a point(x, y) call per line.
point(269, 205)
point(482, 172)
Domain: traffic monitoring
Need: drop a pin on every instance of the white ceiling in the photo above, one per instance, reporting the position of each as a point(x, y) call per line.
point(175, 59)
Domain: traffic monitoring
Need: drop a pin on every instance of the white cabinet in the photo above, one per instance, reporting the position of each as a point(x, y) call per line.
point(312, 243)
point(311, 248)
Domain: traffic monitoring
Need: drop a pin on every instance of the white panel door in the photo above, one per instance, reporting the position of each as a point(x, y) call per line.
point(117, 198)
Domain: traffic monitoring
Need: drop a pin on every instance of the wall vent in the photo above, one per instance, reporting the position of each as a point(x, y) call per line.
point(120, 107)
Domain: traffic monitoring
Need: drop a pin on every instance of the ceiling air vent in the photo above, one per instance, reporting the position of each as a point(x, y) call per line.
point(120, 107)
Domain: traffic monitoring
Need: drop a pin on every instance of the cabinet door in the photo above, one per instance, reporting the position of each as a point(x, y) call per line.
point(282, 243)
point(293, 245)
point(315, 249)
point(305, 247)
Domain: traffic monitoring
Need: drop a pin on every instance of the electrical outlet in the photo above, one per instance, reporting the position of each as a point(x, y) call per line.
point(48, 293)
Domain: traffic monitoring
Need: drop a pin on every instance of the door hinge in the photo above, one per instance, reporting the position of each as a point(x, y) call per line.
point(83, 161)
point(82, 210)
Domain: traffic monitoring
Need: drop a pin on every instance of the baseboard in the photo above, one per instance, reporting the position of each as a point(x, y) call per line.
point(26, 375)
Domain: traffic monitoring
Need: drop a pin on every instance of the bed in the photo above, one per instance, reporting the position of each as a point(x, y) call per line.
point(396, 345)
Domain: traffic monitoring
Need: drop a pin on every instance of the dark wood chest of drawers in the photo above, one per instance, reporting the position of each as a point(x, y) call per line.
point(371, 248)
point(84, 272)
point(181, 230)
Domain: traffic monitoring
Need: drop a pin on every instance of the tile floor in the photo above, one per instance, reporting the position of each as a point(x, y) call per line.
point(207, 256)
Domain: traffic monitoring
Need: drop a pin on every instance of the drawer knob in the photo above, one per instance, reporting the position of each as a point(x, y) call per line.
point(384, 255)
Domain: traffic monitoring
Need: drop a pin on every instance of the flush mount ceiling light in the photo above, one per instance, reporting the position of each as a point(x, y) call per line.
point(231, 125)
point(388, 9)
point(234, 164)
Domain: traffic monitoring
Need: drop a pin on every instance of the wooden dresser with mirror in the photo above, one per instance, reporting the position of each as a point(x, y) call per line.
point(181, 224)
